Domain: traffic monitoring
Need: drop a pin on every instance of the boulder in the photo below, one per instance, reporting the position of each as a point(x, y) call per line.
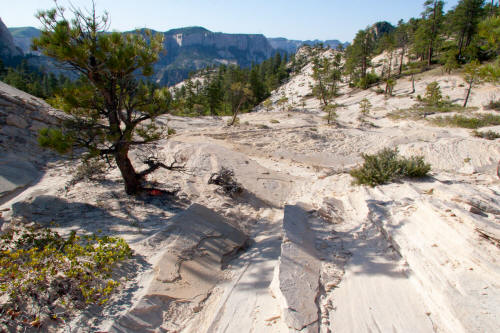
point(16, 121)
point(332, 210)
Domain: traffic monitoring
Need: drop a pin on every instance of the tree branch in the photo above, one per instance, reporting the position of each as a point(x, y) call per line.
point(155, 165)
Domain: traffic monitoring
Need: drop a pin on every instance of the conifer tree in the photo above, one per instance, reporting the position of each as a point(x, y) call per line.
point(238, 94)
point(110, 111)
point(465, 20)
point(429, 32)
point(327, 74)
point(359, 54)
point(402, 41)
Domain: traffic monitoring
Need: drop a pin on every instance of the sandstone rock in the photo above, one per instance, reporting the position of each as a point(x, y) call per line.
point(15, 173)
point(201, 243)
point(332, 210)
point(467, 169)
point(37, 125)
point(14, 120)
point(296, 277)
point(14, 132)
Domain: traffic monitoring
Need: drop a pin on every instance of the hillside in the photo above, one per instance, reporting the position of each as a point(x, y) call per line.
point(292, 46)
point(23, 36)
point(411, 256)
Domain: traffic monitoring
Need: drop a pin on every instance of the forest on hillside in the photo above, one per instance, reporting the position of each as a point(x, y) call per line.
point(468, 34)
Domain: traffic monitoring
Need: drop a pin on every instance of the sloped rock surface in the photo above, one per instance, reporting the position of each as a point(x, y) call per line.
point(191, 265)
point(21, 117)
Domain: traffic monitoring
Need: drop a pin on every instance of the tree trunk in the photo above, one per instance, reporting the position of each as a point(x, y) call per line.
point(429, 55)
point(460, 46)
point(130, 177)
point(401, 62)
point(433, 35)
point(389, 73)
point(235, 113)
point(468, 93)
point(233, 120)
point(413, 83)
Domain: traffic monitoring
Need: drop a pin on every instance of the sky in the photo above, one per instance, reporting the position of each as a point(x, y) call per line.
point(292, 19)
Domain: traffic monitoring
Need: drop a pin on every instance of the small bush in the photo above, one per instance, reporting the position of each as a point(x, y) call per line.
point(368, 80)
point(489, 135)
point(365, 106)
point(433, 95)
point(493, 105)
point(225, 179)
point(386, 166)
point(274, 121)
point(44, 275)
point(466, 122)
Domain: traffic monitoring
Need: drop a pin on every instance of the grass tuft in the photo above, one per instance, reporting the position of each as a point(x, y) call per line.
point(481, 120)
point(488, 135)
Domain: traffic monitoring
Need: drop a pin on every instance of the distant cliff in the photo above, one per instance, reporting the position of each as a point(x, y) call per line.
point(381, 28)
point(193, 48)
point(8, 49)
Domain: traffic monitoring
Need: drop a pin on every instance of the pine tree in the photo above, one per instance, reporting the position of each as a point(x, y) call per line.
point(327, 74)
point(257, 85)
point(215, 95)
point(465, 20)
point(402, 40)
point(238, 94)
point(472, 75)
point(358, 56)
point(429, 32)
point(108, 107)
point(489, 33)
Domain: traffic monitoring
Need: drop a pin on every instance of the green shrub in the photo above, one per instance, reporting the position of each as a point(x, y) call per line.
point(417, 112)
point(274, 121)
point(368, 80)
point(466, 122)
point(489, 135)
point(386, 166)
point(41, 272)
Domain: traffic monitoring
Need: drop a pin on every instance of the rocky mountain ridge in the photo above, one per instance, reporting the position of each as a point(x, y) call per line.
point(292, 46)
point(192, 48)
